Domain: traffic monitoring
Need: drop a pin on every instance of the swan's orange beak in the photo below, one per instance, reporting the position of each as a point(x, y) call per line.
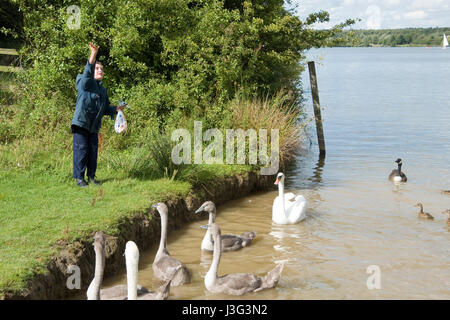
point(277, 181)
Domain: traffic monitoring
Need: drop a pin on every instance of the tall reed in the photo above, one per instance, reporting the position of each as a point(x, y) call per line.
point(277, 112)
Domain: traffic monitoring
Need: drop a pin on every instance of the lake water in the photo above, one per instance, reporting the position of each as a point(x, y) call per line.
point(378, 104)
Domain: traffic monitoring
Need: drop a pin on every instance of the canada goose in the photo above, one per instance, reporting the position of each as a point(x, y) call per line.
point(229, 242)
point(445, 192)
point(447, 212)
point(285, 211)
point(235, 283)
point(397, 175)
point(424, 215)
point(117, 292)
point(166, 267)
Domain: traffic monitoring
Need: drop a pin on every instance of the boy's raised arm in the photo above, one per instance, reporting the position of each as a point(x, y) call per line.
point(94, 49)
point(88, 72)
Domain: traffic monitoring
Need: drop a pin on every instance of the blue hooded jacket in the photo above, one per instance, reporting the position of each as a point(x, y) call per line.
point(92, 101)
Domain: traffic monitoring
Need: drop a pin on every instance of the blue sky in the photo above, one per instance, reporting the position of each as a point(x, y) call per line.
point(380, 14)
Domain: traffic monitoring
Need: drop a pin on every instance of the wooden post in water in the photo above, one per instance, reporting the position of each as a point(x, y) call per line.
point(316, 103)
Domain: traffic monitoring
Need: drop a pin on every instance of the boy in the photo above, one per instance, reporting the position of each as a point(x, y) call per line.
point(92, 104)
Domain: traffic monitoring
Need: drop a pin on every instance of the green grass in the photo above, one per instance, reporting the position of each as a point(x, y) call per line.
point(36, 209)
point(6, 86)
point(6, 78)
point(41, 205)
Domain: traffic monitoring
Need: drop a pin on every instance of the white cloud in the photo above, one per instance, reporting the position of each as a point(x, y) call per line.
point(373, 14)
point(427, 4)
point(377, 14)
point(415, 15)
point(392, 3)
point(397, 17)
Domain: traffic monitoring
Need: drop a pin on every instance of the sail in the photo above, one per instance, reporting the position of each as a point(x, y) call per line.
point(444, 42)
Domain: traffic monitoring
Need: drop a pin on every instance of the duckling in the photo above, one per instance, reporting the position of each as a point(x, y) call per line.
point(447, 212)
point(424, 215)
point(230, 242)
point(397, 175)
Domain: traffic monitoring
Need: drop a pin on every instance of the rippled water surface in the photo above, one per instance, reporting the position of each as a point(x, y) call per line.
point(379, 104)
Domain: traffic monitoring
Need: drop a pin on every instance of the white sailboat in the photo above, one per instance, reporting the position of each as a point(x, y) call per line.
point(444, 42)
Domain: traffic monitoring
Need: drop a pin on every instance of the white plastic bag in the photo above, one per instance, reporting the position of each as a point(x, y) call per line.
point(121, 122)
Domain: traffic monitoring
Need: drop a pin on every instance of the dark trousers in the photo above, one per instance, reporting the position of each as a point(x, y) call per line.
point(85, 150)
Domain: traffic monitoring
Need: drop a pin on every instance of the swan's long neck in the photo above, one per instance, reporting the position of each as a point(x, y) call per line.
point(281, 193)
point(132, 262)
point(163, 241)
point(94, 287)
point(212, 273)
point(207, 243)
point(212, 216)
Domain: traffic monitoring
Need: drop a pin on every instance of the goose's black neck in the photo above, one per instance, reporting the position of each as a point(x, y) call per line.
point(399, 169)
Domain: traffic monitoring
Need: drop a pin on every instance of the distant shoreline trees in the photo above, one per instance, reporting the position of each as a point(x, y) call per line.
point(394, 37)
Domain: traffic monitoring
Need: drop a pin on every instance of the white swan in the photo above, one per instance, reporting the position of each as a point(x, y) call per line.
point(285, 211)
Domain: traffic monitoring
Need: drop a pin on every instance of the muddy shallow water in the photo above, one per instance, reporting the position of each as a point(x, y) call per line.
point(327, 254)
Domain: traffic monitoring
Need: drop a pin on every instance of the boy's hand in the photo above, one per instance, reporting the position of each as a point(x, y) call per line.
point(94, 48)
point(121, 107)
